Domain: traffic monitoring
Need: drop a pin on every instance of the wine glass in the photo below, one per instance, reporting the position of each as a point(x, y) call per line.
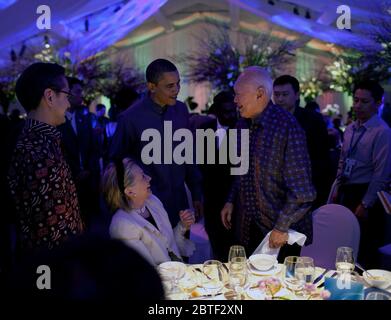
point(238, 276)
point(237, 252)
point(173, 271)
point(190, 282)
point(214, 276)
point(305, 271)
point(344, 261)
point(290, 280)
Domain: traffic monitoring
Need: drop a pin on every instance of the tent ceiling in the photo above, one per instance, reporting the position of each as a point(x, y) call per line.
point(113, 20)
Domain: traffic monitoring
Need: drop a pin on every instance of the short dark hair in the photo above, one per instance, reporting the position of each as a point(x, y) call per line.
point(72, 81)
point(34, 80)
point(287, 79)
point(156, 68)
point(373, 87)
point(219, 99)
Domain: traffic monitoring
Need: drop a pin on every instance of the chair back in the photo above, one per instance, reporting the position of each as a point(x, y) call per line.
point(334, 226)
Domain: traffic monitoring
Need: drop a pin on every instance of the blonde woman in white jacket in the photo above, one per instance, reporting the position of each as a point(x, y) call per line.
point(140, 219)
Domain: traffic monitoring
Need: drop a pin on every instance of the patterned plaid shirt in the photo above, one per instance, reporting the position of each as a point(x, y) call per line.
point(276, 192)
point(43, 190)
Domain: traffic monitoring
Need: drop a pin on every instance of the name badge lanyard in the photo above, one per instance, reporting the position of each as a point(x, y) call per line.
point(353, 148)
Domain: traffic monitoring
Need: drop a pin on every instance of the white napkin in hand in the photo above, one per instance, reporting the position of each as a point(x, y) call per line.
point(293, 237)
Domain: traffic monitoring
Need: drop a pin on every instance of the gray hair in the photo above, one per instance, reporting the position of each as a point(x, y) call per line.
point(109, 184)
point(258, 76)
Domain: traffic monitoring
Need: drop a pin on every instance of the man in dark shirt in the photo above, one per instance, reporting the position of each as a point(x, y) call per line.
point(217, 178)
point(156, 110)
point(40, 180)
point(286, 94)
point(276, 193)
point(81, 152)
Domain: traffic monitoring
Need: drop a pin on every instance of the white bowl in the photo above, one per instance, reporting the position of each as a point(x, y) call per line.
point(262, 262)
point(172, 270)
point(378, 278)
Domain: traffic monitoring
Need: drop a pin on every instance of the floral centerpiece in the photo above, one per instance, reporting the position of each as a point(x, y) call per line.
point(271, 286)
point(220, 61)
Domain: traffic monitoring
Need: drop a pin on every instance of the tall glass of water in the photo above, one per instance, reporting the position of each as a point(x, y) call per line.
point(305, 271)
point(237, 276)
point(344, 261)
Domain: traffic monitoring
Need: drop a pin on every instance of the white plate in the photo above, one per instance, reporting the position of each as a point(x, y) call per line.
point(262, 262)
point(276, 269)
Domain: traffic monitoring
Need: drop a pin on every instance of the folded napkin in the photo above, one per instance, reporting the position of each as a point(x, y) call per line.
point(293, 237)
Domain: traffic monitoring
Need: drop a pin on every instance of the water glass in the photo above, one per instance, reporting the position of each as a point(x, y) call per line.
point(238, 276)
point(190, 282)
point(237, 252)
point(289, 275)
point(214, 276)
point(344, 261)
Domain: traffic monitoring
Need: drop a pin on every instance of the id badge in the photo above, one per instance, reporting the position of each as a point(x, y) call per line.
point(348, 167)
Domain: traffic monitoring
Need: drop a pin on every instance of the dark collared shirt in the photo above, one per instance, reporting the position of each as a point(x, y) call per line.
point(277, 191)
point(167, 179)
point(42, 188)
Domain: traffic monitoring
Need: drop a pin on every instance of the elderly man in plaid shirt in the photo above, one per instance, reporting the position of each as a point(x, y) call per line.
point(276, 193)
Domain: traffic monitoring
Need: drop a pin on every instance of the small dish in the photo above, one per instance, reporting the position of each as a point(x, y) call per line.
point(262, 262)
point(274, 270)
point(378, 278)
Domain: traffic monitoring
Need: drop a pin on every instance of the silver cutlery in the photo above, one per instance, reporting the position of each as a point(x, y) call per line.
point(321, 276)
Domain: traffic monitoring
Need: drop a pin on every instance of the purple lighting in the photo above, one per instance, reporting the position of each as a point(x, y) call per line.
point(6, 3)
point(115, 27)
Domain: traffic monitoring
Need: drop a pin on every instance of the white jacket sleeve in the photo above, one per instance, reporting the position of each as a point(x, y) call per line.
point(131, 236)
point(186, 246)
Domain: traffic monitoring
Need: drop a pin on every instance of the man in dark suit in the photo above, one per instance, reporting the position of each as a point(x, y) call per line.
point(217, 179)
point(81, 152)
point(286, 93)
point(158, 109)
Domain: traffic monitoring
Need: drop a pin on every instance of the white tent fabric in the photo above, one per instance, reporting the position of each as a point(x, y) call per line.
point(18, 23)
point(18, 18)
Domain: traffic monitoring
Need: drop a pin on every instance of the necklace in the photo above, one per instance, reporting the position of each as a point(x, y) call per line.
point(142, 212)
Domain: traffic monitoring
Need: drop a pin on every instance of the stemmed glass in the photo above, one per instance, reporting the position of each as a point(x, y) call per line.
point(214, 276)
point(238, 276)
point(344, 261)
point(172, 271)
point(190, 282)
point(290, 280)
point(236, 252)
point(305, 271)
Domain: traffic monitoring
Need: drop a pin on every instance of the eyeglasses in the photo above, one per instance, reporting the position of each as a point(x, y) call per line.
point(63, 91)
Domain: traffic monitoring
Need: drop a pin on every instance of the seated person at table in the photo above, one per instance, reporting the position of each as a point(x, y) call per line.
point(140, 219)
